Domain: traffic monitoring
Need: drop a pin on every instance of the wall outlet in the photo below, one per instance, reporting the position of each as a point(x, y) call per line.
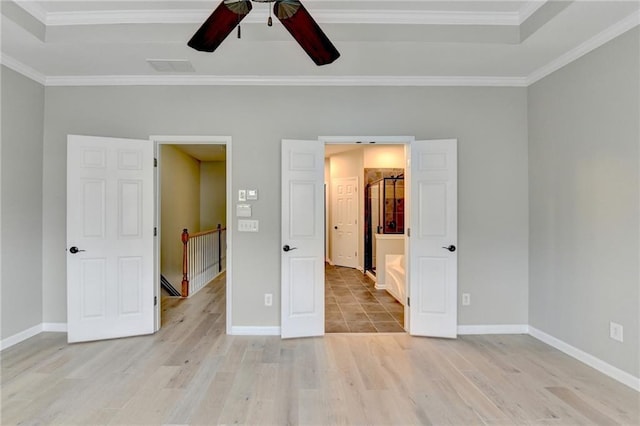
point(268, 299)
point(466, 299)
point(616, 332)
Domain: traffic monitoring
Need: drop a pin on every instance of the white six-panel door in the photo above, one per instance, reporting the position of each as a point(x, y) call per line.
point(302, 243)
point(344, 218)
point(110, 285)
point(432, 244)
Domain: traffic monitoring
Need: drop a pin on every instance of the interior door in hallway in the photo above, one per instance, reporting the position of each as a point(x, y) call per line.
point(433, 255)
point(302, 244)
point(344, 221)
point(110, 227)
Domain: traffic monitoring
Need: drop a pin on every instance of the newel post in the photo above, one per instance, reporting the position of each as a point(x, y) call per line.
point(185, 264)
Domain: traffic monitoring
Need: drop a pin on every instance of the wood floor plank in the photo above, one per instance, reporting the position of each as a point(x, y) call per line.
point(192, 373)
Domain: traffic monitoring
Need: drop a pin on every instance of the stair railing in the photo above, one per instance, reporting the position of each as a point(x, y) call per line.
point(203, 258)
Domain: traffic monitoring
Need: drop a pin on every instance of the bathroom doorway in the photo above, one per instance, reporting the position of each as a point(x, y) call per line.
point(357, 299)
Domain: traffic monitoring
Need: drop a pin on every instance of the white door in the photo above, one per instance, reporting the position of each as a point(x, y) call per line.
point(302, 245)
point(110, 285)
point(433, 258)
point(344, 219)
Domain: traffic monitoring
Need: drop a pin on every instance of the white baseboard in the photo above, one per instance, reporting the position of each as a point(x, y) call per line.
point(603, 367)
point(494, 329)
point(59, 327)
point(20, 337)
point(380, 286)
point(370, 275)
point(255, 331)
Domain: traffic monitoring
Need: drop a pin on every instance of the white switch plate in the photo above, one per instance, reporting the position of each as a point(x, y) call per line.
point(242, 195)
point(268, 299)
point(247, 225)
point(252, 194)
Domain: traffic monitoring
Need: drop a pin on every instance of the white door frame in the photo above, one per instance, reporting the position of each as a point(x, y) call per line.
point(194, 140)
point(372, 141)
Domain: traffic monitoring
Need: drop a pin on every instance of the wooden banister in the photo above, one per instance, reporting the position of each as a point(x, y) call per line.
point(195, 251)
point(185, 264)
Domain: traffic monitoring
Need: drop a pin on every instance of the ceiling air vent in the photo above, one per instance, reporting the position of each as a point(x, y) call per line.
point(171, 65)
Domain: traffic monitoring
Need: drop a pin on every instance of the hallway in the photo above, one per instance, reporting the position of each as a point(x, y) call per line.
point(353, 305)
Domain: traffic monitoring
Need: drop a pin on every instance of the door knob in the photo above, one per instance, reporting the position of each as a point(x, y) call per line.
point(287, 248)
point(451, 248)
point(74, 250)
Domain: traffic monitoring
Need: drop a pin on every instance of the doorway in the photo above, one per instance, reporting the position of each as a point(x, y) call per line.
point(356, 299)
point(193, 182)
point(432, 301)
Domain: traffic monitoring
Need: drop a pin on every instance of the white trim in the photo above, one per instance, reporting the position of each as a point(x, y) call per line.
point(255, 331)
point(387, 140)
point(33, 9)
point(529, 9)
point(596, 363)
point(283, 80)
point(259, 15)
point(209, 140)
point(58, 327)
point(23, 69)
point(20, 337)
point(593, 43)
point(379, 286)
point(493, 329)
point(372, 277)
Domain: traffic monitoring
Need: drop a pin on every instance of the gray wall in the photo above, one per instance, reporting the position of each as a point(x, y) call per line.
point(22, 121)
point(213, 194)
point(584, 218)
point(490, 124)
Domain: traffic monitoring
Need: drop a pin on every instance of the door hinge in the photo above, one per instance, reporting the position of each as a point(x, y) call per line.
point(155, 231)
point(408, 232)
point(155, 300)
point(155, 162)
point(408, 301)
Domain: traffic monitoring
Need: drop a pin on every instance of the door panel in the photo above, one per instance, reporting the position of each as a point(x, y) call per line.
point(344, 222)
point(302, 267)
point(110, 286)
point(433, 268)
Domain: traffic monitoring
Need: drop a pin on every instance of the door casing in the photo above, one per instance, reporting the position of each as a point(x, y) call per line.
point(195, 140)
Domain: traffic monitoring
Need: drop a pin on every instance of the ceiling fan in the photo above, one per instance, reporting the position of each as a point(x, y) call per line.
point(293, 15)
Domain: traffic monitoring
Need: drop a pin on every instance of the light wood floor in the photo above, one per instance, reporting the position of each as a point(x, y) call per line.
point(192, 373)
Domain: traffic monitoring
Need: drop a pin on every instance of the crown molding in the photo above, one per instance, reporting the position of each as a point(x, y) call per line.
point(593, 43)
point(33, 9)
point(529, 9)
point(258, 80)
point(21, 68)
point(259, 15)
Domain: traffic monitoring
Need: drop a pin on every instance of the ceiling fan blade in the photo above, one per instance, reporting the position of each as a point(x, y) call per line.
point(297, 20)
point(219, 25)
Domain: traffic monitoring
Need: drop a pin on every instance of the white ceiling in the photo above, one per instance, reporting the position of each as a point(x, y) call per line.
point(411, 42)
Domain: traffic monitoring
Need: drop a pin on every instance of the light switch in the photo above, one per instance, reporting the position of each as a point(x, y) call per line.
point(242, 195)
point(252, 194)
point(247, 225)
point(243, 210)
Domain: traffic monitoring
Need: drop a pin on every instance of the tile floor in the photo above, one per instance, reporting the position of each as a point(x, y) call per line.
point(353, 305)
